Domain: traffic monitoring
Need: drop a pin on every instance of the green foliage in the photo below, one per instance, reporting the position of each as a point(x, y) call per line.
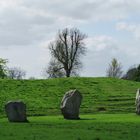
point(3, 68)
point(114, 69)
point(133, 74)
point(43, 97)
point(90, 127)
point(101, 95)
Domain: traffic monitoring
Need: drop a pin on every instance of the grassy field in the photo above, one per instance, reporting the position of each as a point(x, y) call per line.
point(90, 127)
point(107, 110)
point(43, 97)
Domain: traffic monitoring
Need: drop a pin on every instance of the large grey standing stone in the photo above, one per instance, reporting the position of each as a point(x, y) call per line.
point(70, 104)
point(16, 111)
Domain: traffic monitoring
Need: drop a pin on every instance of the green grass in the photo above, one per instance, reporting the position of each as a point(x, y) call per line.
point(107, 110)
point(90, 127)
point(43, 97)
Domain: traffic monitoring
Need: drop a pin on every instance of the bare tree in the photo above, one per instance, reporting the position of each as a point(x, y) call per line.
point(67, 50)
point(32, 78)
point(114, 69)
point(54, 70)
point(16, 73)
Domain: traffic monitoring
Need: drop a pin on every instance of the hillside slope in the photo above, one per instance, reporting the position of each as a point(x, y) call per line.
point(43, 97)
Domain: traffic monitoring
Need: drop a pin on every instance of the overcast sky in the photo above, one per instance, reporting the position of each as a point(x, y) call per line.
point(112, 26)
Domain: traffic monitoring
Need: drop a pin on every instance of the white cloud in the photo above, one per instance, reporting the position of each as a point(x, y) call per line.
point(9, 3)
point(86, 9)
point(100, 43)
point(23, 22)
point(132, 28)
point(32, 58)
point(126, 26)
point(25, 25)
point(101, 49)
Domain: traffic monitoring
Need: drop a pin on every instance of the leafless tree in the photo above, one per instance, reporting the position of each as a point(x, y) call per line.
point(16, 73)
point(114, 69)
point(32, 78)
point(66, 51)
point(54, 70)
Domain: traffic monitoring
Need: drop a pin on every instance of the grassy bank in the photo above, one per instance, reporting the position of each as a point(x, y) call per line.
point(43, 97)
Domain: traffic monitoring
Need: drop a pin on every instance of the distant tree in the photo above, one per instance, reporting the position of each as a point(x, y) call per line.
point(3, 68)
point(138, 74)
point(54, 70)
point(66, 52)
point(114, 69)
point(16, 73)
point(31, 78)
point(133, 73)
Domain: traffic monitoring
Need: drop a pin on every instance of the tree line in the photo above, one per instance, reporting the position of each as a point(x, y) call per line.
point(66, 52)
point(10, 72)
point(115, 70)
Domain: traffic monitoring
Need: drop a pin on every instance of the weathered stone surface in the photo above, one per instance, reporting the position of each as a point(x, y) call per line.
point(70, 104)
point(137, 95)
point(16, 111)
point(137, 102)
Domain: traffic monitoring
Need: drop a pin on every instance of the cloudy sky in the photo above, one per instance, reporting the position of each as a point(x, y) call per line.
point(112, 26)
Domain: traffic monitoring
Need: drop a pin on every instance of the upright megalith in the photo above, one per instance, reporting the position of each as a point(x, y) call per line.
point(70, 104)
point(16, 111)
point(137, 102)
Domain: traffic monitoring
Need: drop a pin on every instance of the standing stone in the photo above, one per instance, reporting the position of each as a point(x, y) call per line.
point(137, 95)
point(137, 102)
point(70, 104)
point(138, 106)
point(16, 111)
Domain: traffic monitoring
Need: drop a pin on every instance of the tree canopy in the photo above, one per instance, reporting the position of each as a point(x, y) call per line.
point(114, 69)
point(66, 51)
point(3, 68)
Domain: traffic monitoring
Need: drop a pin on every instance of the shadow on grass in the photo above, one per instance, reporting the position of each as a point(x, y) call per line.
point(87, 119)
point(82, 119)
